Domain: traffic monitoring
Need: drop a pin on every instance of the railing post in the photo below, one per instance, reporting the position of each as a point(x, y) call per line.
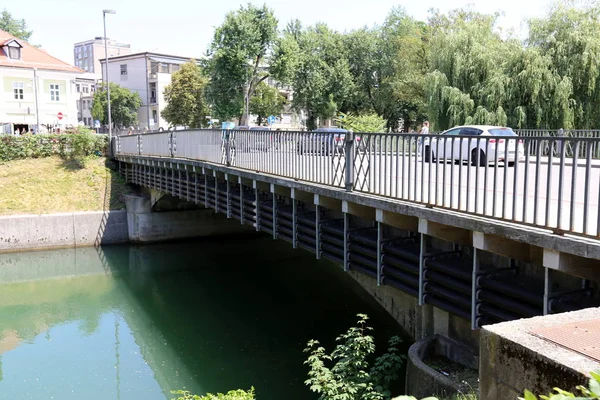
point(172, 144)
point(349, 150)
point(227, 149)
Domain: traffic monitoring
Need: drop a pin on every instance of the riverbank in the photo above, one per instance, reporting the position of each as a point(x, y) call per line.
point(56, 185)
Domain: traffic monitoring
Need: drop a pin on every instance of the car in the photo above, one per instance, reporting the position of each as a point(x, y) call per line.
point(323, 141)
point(258, 141)
point(491, 147)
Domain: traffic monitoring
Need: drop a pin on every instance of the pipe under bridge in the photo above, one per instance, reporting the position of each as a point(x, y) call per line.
point(483, 230)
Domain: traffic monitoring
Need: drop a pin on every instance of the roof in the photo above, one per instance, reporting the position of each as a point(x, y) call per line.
point(32, 57)
point(154, 56)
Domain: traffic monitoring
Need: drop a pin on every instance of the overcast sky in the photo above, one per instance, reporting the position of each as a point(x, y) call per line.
point(185, 27)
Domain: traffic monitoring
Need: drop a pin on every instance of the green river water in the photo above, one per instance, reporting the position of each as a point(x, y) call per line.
point(135, 322)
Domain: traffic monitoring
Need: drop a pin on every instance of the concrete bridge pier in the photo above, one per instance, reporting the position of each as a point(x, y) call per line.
point(175, 221)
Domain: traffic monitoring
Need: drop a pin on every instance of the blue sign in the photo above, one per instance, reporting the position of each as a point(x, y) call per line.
point(271, 119)
point(97, 123)
point(227, 125)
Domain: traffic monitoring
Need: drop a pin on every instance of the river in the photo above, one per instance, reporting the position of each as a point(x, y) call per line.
point(135, 322)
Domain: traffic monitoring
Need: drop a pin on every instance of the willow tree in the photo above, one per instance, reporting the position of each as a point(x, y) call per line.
point(467, 55)
point(570, 37)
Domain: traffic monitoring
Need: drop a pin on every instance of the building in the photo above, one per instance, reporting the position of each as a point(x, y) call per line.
point(35, 88)
point(85, 87)
point(87, 54)
point(147, 74)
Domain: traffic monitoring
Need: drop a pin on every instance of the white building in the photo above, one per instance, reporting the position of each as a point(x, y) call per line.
point(147, 74)
point(28, 76)
point(87, 54)
point(85, 87)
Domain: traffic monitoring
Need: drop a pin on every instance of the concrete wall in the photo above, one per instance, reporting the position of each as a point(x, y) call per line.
point(32, 232)
point(512, 359)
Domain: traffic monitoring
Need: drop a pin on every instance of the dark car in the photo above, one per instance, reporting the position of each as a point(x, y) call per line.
point(259, 139)
point(325, 141)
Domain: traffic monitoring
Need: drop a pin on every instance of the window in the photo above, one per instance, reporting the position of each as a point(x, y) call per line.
point(14, 52)
point(78, 87)
point(154, 117)
point(175, 67)
point(123, 69)
point(86, 89)
point(153, 92)
point(54, 93)
point(164, 67)
point(153, 67)
point(470, 131)
point(18, 90)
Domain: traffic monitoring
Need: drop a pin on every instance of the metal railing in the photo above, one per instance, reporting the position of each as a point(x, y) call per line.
point(550, 182)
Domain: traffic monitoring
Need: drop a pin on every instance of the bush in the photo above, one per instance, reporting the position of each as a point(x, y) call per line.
point(352, 377)
point(591, 392)
point(76, 145)
point(231, 395)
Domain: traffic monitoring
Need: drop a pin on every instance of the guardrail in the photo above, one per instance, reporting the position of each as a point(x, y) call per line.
point(550, 182)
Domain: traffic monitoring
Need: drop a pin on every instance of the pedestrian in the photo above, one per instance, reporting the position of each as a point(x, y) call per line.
point(424, 131)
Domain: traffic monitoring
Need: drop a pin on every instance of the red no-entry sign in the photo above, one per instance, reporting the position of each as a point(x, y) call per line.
point(59, 116)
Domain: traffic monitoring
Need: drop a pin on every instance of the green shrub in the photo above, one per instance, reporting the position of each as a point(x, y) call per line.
point(352, 377)
point(231, 395)
point(81, 144)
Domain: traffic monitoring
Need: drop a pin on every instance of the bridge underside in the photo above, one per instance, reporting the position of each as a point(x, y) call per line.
point(473, 270)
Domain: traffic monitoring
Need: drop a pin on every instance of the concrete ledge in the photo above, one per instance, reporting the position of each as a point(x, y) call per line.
point(36, 232)
point(512, 359)
point(423, 381)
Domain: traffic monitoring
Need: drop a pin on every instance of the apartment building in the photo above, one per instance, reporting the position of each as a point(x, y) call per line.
point(34, 87)
point(147, 74)
point(85, 87)
point(87, 54)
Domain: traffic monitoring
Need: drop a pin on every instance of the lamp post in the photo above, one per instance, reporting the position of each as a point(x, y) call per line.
point(104, 12)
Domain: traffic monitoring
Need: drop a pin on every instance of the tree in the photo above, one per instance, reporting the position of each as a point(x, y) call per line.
point(16, 27)
point(570, 37)
point(186, 104)
point(313, 61)
point(238, 64)
point(352, 377)
point(266, 101)
point(124, 105)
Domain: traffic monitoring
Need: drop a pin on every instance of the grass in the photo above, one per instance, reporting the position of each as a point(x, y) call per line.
point(53, 185)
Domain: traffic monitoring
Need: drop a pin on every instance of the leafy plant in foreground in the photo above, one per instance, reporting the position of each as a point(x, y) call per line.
point(231, 395)
point(352, 377)
point(591, 392)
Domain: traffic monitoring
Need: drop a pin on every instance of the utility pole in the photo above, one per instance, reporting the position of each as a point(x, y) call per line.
point(37, 109)
point(104, 12)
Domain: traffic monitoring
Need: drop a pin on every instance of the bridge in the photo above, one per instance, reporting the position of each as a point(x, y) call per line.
point(475, 229)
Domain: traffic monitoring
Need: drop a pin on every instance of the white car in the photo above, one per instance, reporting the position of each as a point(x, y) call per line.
point(480, 144)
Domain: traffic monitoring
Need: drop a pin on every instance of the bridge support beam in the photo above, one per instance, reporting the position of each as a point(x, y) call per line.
point(445, 232)
point(581, 267)
point(507, 247)
point(364, 212)
point(400, 221)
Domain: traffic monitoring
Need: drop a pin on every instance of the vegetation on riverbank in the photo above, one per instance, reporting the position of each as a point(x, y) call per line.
point(55, 184)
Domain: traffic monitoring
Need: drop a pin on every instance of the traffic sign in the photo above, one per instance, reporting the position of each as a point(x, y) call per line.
point(59, 116)
point(97, 123)
point(271, 119)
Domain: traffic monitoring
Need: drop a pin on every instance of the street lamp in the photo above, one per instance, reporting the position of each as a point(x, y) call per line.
point(104, 12)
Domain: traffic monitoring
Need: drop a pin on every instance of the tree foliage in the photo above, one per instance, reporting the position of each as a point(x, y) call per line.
point(312, 61)
point(590, 392)
point(185, 97)
point(16, 27)
point(266, 101)
point(362, 123)
point(352, 376)
point(238, 59)
point(124, 105)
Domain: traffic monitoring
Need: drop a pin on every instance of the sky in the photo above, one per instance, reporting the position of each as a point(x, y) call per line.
point(185, 27)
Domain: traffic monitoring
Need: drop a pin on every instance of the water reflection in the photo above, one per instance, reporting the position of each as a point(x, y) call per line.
point(136, 322)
